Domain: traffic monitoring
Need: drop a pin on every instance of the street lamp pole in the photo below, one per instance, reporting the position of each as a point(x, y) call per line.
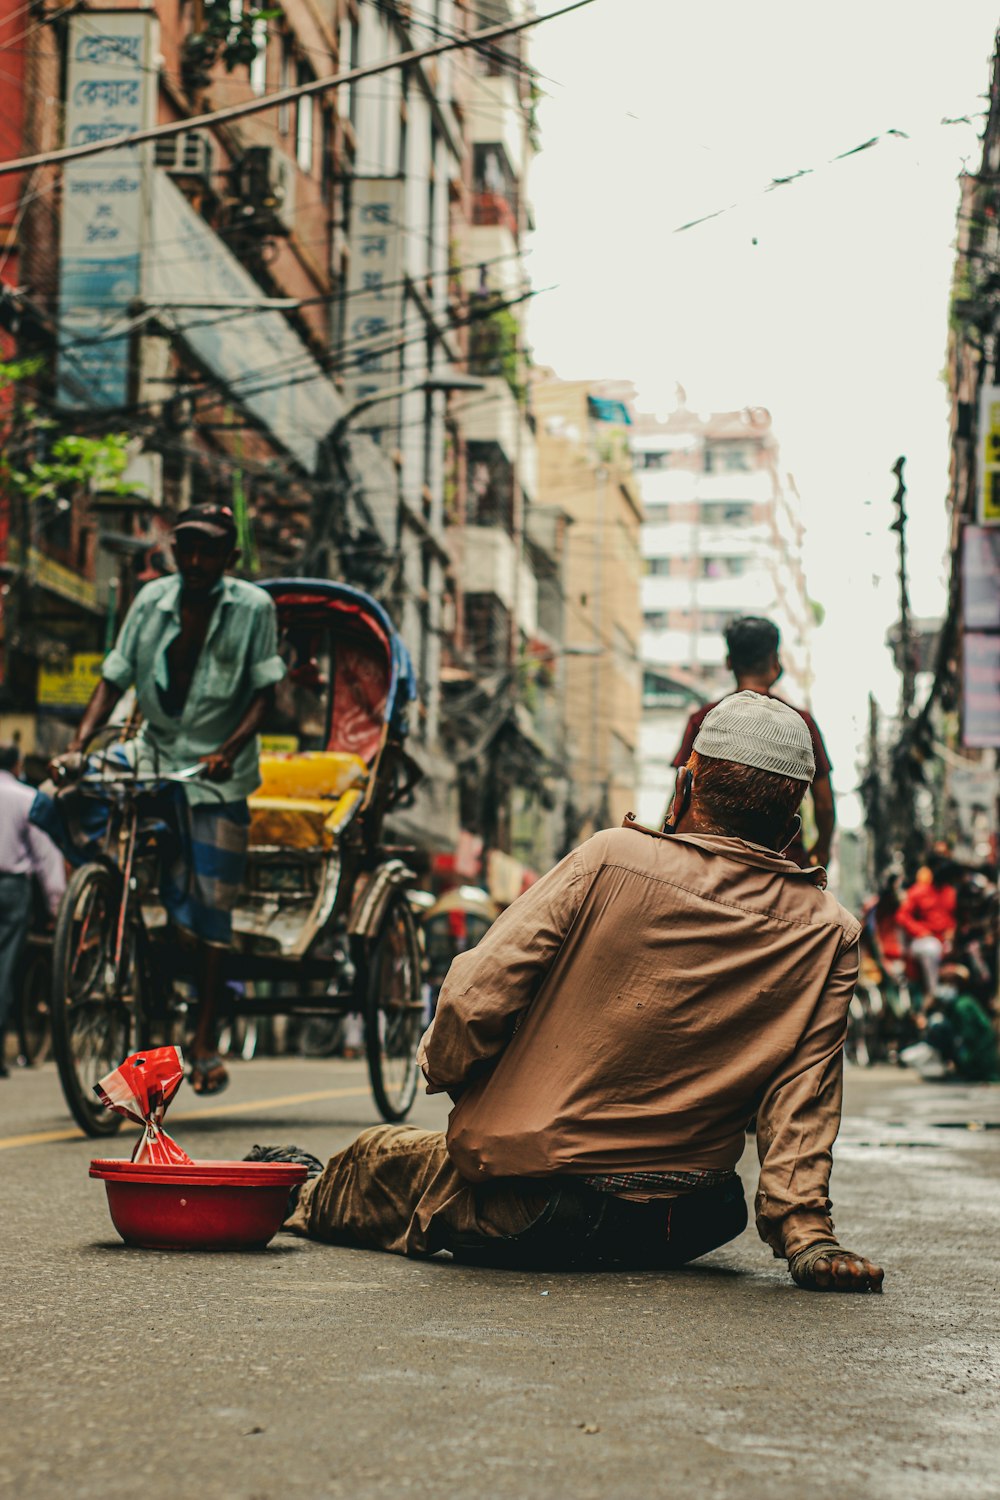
point(333, 449)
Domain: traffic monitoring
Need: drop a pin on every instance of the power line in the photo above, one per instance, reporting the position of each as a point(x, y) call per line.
point(287, 96)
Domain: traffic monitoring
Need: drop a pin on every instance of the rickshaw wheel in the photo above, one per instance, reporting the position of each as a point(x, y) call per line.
point(96, 1010)
point(33, 1031)
point(394, 1011)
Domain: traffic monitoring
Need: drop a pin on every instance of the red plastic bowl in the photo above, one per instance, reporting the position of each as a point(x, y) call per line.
point(204, 1205)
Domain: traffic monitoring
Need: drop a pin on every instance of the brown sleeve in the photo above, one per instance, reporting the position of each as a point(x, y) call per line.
point(487, 988)
point(798, 1121)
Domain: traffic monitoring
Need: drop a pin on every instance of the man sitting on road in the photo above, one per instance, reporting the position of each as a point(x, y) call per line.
point(201, 651)
point(752, 645)
point(611, 1035)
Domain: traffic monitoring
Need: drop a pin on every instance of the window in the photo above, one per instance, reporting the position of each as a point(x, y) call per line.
point(346, 97)
point(655, 619)
point(722, 567)
point(729, 458)
point(731, 513)
point(258, 68)
point(327, 161)
point(658, 567)
point(285, 82)
point(304, 122)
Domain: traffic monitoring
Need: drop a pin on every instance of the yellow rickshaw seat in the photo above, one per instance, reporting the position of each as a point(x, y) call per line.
point(301, 822)
point(310, 774)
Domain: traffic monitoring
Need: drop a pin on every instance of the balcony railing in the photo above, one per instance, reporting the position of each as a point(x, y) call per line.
point(493, 210)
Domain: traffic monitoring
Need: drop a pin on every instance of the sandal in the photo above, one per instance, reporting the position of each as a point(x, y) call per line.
point(208, 1075)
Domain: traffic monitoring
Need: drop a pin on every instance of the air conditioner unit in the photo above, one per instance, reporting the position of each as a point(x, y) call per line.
point(265, 185)
point(191, 153)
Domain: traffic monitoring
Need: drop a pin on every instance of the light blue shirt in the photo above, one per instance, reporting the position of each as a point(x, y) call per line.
point(239, 658)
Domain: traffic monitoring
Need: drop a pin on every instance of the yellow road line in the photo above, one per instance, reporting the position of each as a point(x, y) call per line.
point(39, 1138)
point(248, 1106)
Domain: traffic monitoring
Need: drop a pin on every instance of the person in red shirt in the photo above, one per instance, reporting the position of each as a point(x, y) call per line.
point(927, 916)
point(752, 644)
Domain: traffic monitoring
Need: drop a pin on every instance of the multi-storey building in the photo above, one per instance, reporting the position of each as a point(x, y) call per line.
point(275, 311)
point(585, 468)
point(506, 546)
point(722, 537)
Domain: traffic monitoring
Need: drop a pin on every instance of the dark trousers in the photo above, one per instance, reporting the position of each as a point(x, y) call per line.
point(396, 1188)
point(15, 914)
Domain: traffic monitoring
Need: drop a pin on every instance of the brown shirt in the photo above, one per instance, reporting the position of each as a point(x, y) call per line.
point(633, 1009)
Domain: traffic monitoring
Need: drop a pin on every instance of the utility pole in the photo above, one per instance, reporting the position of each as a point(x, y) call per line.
point(878, 843)
point(909, 684)
point(905, 770)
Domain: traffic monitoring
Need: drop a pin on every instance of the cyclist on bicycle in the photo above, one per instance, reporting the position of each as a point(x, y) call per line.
point(200, 649)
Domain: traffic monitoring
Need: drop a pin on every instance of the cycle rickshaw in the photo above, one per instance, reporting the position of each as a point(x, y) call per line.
point(323, 925)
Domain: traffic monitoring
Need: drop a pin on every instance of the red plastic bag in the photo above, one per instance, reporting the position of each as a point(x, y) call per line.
point(140, 1089)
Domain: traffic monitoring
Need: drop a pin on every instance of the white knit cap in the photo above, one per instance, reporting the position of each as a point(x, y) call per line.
point(754, 730)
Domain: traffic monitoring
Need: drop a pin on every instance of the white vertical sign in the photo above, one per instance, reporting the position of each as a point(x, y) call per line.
point(111, 86)
point(374, 308)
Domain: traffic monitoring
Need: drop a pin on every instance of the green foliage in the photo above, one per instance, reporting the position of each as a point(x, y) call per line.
point(71, 464)
point(495, 349)
point(234, 40)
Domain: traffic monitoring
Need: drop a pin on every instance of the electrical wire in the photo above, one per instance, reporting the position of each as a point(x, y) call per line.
point(286, 96)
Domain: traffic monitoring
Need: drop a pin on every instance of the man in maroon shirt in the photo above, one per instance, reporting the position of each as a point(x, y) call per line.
point(752, 644)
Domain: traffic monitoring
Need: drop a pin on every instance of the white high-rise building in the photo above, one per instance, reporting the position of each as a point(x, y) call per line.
point(722, 537)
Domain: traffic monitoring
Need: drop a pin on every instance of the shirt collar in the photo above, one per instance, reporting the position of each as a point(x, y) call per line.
point(739, 849)
point(169, 600)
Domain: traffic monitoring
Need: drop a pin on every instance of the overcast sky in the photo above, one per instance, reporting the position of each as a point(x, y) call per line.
point(825, 300)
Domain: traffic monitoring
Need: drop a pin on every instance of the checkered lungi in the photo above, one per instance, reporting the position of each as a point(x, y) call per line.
point(200, 886)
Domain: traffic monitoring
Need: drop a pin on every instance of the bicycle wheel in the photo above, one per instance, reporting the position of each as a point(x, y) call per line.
point(96, 1008)
point(860, 1044)
point(393, 1011)
point(33, 1032)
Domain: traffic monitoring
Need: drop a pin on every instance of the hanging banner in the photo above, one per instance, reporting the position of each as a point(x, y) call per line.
point(374, 298)
point(111, 82)
point(981, 691)
point(988, 456)
point(258, 356)
point(981, 578)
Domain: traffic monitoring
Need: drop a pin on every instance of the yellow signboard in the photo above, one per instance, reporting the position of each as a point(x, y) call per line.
point(69, 686)
point(53, 576)
point(989, 455)
point(279, 744)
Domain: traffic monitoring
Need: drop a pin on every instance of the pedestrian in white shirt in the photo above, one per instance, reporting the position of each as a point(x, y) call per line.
point(25, 851)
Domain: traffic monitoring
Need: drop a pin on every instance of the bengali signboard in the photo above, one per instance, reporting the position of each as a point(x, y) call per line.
point(69, 685)
point(981, 691)
point(988, 456)
point(373, 325)
point(111, 80)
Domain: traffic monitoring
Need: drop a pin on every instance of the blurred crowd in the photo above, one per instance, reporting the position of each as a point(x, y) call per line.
point(926, 996)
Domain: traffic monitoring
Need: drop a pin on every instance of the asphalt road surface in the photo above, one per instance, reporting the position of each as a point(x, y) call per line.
point(307, 1371)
